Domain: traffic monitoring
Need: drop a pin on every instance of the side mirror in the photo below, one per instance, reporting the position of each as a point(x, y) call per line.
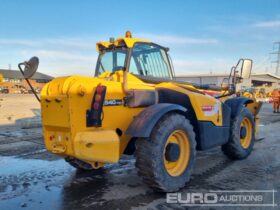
point(30, 67)
point(245, 67)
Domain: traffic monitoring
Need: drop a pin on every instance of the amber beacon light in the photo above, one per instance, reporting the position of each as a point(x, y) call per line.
point(128, 34)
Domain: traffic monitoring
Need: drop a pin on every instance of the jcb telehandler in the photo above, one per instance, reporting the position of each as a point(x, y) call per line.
point(134, 105)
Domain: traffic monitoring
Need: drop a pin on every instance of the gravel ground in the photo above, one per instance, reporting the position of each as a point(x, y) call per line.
point(32, 178)
point(15, 108)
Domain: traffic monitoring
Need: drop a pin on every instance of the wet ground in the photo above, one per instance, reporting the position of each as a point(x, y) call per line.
point(31, 178)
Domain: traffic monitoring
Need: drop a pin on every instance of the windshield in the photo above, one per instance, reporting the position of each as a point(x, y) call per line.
point(149, 60)
point(111, 60)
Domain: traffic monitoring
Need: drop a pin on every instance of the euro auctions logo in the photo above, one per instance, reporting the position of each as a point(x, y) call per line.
point(192, 198)
point(224, 198)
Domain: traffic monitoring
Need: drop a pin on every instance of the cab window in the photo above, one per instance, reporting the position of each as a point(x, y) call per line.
point(111, 60)
point(149, 60)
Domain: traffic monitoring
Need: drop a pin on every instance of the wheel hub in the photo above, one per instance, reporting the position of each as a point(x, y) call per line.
point(246, 130)
point(176, 153)
point(243, 132)
point(172, 152)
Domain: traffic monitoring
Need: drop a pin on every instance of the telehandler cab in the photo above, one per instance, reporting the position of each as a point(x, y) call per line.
point(134, 105)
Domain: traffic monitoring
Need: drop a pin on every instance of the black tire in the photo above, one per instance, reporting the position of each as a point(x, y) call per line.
point(233, 148)
point(150, 162)
point(79, 164)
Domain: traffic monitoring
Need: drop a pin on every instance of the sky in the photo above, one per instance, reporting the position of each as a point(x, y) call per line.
point(203, 36)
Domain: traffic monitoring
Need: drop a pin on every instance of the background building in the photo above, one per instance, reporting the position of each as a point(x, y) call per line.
point(15, 83)
point(257, 80)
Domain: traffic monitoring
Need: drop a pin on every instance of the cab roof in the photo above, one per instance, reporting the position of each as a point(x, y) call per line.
point(123, 41)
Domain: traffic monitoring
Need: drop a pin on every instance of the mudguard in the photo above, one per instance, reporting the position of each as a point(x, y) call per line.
point(145, 121)
point(236, 104)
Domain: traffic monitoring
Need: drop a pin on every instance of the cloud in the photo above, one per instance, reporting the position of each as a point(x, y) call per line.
point(63, 55)
point(69, 43)
point(22, 42)
point(74, 43)
point(58, 56)
point(77, 43)
point(268, 24)
point(66, 68)
point(172, 39)
point(70, 55)
point(89, 43)
point(58, 63)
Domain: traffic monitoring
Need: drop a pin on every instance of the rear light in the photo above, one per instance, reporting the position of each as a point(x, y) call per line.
point(97, 98)
point(95, 113)
point(96, 106)
point(100, 89)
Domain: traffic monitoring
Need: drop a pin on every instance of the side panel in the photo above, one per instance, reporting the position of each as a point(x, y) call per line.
point(211, 135)
point(205, 107)
point(208, 134)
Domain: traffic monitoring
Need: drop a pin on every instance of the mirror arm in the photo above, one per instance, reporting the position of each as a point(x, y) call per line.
point(33, 91)
point(234, 80)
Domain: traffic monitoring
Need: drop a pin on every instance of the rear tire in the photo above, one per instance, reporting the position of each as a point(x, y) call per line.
point(161, 165)
point(79, 164)
point(241, 141)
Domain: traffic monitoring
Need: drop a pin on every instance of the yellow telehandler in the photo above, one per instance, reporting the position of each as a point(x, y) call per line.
point(134, 105)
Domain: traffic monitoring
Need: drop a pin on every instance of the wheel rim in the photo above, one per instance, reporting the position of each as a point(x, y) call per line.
point(176, 168)
point(246, 139)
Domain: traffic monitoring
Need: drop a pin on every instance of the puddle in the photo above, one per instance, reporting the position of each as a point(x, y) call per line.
point(41, 184)
point(12, 165)
point(37, 199)
point(32, 184)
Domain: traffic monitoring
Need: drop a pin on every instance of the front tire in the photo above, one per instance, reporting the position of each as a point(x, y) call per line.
point(242, 136)
point(165, 160)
